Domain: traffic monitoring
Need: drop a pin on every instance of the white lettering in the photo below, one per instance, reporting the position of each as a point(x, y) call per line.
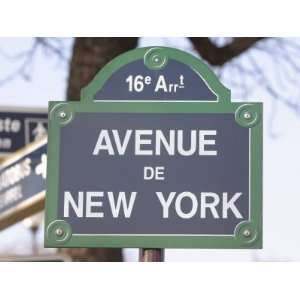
point(203, 142)
point(212, 205)
point(168, 145)
point(103, 143)
point(193, 143)
point(90, 204)
point(139, 141)
point(121, 147)
point(178, 205)
point(77, 207)
point(165, 203)
point(161, 84)
point(230, 205)
point(121, 202)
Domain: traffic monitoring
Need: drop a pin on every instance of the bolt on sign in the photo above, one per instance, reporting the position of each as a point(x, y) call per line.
point(155, 154)
point(21, 126)
point(23, 183)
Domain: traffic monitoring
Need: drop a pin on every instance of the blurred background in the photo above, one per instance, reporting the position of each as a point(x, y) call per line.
point(34, 71)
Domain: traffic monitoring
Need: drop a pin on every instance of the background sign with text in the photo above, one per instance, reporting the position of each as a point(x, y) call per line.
point(19, 127)
point(23, 183)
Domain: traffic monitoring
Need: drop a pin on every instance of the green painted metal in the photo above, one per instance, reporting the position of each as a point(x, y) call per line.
point(247, 234)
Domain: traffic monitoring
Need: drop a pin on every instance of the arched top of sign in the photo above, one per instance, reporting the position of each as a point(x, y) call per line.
point(156, 73)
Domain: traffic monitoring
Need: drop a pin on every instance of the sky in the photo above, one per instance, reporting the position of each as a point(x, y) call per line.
point(48, 77)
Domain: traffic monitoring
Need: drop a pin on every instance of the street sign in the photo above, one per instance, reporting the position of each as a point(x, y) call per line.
point(23, 183)
point(155, 155)
point(21, 126)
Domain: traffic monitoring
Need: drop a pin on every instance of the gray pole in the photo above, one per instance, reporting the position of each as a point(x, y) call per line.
point(35, 248)
point(152, 255)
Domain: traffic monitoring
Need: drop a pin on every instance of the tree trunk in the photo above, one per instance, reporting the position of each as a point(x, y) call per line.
point(89, 56)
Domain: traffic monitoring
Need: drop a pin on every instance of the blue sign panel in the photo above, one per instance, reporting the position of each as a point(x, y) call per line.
point(19, 127)
point(23, 183)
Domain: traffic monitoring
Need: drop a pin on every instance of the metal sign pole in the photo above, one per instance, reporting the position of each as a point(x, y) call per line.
point(152, 255)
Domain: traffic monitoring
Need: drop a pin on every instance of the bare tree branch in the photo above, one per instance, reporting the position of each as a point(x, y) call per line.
point(24, 60)
point(218, 56)
point(243, 64)
point(53, 45)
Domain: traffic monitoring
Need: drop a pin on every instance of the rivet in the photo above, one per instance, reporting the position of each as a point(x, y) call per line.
point(62, 114)
point(59, 232)
point(247, 115)
point(246, 233)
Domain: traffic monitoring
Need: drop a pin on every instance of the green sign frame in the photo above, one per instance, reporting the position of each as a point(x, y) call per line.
point(248, 234)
